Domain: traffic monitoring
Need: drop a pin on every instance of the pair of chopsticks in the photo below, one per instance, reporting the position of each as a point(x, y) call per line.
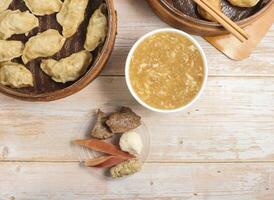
point(227, 23)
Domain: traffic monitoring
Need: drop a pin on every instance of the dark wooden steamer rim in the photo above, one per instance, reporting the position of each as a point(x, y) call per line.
point(196, 26)
point(63, 90)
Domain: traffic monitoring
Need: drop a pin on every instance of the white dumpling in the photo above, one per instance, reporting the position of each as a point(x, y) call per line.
point(71, 16)
point(44, 45)
point(4, 4)
point(244, 3)
point(10, 49)
point(16, 22)
point(43, 7)
point(97, 29)
point(67, 69)
point(15, 75)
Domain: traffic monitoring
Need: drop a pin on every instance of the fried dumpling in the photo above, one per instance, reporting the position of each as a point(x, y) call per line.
point(206, 15)
point(97, 29)
point(244, 3)
point(44, 45)
point(43, 7)
point(71, 16)
point(16, 22)
point(67, 69)
point(4, 4)
point(10, 49)
point(15, 75)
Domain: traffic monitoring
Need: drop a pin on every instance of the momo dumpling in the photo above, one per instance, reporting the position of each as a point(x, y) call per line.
point(67, 69)
point(43, 7)
point(244, 3)
point(16, 22)
point(45, 44)
point(71, 16)
point(15, 75)
point(4, 4)
point(10, 49)
point(97, 29)
point(206, 15)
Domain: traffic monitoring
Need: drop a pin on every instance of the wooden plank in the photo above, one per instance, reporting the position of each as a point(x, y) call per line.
point(135, 18)
point(233, 121)
point(49, 181)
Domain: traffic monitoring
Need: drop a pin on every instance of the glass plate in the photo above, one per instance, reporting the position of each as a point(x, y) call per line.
point(83, 153)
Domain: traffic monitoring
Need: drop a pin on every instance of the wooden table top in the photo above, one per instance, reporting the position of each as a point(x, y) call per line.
point(221, 148)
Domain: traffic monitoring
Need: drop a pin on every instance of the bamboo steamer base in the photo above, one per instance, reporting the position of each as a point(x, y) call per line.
point(45, 89)
point(233, 48)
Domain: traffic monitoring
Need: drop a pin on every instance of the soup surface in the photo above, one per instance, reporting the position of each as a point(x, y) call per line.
point(166, 71)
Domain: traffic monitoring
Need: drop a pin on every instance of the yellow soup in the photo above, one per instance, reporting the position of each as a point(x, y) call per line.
point(166, 71)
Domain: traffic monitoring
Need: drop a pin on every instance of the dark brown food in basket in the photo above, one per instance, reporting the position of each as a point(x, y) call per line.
point(123, 121)
point(189, 7)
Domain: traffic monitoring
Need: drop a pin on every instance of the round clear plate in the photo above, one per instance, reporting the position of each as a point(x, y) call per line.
point(83, 153)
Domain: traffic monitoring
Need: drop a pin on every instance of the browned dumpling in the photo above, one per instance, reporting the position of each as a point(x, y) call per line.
point(244, 3)
point(206, 15)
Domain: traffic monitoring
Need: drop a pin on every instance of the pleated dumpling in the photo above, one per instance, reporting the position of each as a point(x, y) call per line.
point(10, 49)
point(16, 22)
point(44, 45)
point(15, 75)
point(67, 69)
point(71, 16)
point(43, 7)
point(4, 4)
point(97, 29)
point(244, 3)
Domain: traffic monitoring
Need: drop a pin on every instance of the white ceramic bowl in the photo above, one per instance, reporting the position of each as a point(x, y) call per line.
point(128, 66)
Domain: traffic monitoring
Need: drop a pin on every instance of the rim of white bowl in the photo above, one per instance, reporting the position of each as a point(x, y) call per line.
point(128, 61)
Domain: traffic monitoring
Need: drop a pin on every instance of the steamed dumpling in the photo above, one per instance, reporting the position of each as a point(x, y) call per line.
point(67, 69)
point(97, 29)
point(15, 75)
point(16, 22)
point(10, 49)
point(71, 16)
point(206, 15)
point(43, 7)
point(4, 4)
point(244, 3)
point(45, 44)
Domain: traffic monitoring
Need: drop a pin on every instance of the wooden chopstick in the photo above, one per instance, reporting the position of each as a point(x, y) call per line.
point(227, 23)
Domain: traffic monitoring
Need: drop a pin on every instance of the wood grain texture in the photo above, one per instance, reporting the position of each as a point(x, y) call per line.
point(47, 181)
point(231, 122)
point(135, 18)
point(221, 148)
